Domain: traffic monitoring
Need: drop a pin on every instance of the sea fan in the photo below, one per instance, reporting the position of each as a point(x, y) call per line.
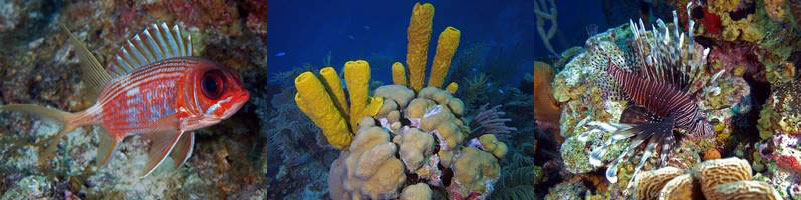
point(662, 85)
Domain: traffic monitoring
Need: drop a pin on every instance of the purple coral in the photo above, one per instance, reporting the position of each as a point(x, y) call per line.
point(491, 121)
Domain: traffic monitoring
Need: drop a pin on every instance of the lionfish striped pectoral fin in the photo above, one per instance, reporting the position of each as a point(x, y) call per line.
point(611, 171)
point(619, 132)
point(650, 131)
point(163, 139)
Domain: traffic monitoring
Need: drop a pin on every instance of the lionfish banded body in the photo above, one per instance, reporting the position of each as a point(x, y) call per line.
point(662, 87)
point(154, 87)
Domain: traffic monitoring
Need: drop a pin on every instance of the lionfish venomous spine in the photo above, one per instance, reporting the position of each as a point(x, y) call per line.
point(662, 90)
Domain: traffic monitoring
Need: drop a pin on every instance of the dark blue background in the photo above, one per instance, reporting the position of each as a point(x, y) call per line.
point(306, 31)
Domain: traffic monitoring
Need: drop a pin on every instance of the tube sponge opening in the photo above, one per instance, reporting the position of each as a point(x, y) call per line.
point(399, 74)
point(357, 77)
point(334, 85)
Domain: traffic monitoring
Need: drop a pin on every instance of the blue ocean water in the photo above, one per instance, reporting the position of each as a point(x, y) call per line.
point(307, 32)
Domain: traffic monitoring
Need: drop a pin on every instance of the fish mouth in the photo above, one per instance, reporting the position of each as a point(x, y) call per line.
point(241, 98)
point(244, 97)
point(239, 101)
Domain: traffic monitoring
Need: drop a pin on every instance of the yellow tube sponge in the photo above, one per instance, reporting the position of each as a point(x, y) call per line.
point(333, 82)
point(374, 106)
point(419, 34)
point(357, 77)
point(453, 87)
point(313, 99)
point(447, 44)
point(399, 74)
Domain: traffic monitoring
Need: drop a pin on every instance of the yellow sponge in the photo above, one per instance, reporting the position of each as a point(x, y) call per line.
point(357, 77)
point(453, 87)
point(448, 43)
point(333, 82)
point(315, 102)
point(399, 74)
point(374, 106)
point(419, 34)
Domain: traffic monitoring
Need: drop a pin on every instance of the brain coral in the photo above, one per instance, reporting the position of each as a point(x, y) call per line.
point(718, 179)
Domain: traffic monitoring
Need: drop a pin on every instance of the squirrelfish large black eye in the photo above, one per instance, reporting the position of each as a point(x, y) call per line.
point(213, 84)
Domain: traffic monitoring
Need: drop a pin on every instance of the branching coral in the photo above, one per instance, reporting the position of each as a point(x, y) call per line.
point(546, 10)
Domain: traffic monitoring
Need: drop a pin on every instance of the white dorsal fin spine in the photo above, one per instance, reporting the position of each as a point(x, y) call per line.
point(131, 62)
point(157, 42)
point(188, 45)
point(171, 39)
point(153, 46)
point(180, 41)
point(159, 39)
point(139, 56)
point(142, 48)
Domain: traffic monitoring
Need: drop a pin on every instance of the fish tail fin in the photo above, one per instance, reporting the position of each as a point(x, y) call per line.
point(60, 116)
point(66, 118)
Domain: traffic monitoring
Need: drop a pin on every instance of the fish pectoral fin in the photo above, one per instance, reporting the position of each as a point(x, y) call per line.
point(108, 145)
point(183, 149)
point(162, 144)
point(167, 123)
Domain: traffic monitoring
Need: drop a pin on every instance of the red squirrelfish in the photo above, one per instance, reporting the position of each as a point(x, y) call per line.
point(154, 87)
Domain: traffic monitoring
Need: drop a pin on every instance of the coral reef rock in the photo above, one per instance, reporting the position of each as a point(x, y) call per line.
point(728, 178)
point(405, 132)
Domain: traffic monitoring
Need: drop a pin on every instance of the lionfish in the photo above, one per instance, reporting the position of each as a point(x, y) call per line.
point(662, 89)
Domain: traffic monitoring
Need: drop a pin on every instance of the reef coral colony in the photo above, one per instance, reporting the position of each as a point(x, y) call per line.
point(647, 104)
point(405, 132)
